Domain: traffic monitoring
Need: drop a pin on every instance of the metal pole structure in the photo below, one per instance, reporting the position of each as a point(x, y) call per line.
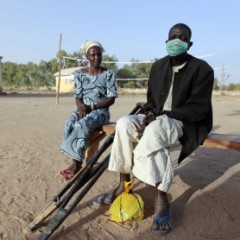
point(59, 68)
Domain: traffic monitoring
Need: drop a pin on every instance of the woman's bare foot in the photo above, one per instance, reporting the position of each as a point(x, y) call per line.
point(70, 172)
point(76, 166)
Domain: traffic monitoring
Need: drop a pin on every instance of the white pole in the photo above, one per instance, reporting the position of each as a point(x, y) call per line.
point(59, 68)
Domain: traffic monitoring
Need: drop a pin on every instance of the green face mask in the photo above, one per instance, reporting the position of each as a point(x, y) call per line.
point(176, 47)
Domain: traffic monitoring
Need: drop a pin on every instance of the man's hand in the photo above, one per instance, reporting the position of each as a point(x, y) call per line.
point(148, 119)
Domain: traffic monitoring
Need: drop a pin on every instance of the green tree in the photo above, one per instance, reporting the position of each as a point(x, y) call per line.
point(125, 72)
point(9, 72)
point(237, 87)
point(53, 64)
point(70, 60)
point(224, 78)
point(45, 76)
point(231, 87)
point(21, 77)
point(141, 70)
point(135, 70)
point(32, 73)
point(80, 57)
point(215, 84)
point(112, 62)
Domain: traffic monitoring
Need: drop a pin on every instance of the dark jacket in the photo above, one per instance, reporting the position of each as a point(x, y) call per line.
point(191, 98)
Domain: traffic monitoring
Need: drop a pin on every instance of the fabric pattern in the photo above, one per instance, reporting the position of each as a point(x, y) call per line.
point(95, 88)
point(92, 89)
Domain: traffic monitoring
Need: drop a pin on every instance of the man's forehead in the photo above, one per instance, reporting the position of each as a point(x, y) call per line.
point(179, 31)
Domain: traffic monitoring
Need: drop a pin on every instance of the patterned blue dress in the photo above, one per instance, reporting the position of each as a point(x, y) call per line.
point(92, 89)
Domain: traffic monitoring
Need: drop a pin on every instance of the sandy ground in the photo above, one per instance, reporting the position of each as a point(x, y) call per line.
point(204, 196)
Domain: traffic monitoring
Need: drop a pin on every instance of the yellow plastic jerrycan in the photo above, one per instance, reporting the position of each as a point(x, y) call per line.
point(127, 206)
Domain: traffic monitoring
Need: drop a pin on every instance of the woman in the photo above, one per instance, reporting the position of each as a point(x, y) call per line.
point(95, 91)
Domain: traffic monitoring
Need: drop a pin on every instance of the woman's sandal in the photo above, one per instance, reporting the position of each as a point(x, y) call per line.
point(68, 173)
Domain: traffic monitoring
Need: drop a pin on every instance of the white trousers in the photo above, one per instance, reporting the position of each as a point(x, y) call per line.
point(148, 158)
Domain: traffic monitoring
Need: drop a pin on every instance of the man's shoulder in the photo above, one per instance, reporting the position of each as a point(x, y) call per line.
point(198, 62)
point(191, 60)
point(161, 61)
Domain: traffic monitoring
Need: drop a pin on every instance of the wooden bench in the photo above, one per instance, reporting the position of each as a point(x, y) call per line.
point(223, 141)
point(214, 140)
point(96, 136)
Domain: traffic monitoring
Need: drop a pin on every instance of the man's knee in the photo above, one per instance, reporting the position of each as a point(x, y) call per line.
point(151, 129)
point(123, 123)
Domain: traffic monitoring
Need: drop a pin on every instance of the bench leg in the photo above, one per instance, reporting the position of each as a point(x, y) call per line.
point(94, 140)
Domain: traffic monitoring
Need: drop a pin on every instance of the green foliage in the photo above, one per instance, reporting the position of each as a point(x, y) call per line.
point(111, 66)
point(215, 84)
point(135, 71)
point(125, 73)
point(237, 87)
point(130, 84)
point(28, 75)
point(21, 76)
point(230, 87)
point(53, 64)
point(233, 87)
point(9, 72)
point(61, 53)
point(32, 75)
point(71, 60)
point(141, 70)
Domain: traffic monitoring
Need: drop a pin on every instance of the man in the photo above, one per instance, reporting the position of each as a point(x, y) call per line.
point(178, 111)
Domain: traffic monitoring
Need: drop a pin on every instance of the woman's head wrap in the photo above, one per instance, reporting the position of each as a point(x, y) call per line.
point(90, 43)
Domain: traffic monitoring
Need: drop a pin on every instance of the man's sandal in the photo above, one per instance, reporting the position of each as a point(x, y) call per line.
point(104, 199)
point(159, 220)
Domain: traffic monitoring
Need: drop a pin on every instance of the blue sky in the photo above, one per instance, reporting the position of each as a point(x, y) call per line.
point(29, 30)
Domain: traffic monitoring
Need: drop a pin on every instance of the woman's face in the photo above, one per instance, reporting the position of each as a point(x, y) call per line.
point(94, 56)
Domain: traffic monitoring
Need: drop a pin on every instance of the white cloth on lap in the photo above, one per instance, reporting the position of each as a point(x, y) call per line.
point(148, 159)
